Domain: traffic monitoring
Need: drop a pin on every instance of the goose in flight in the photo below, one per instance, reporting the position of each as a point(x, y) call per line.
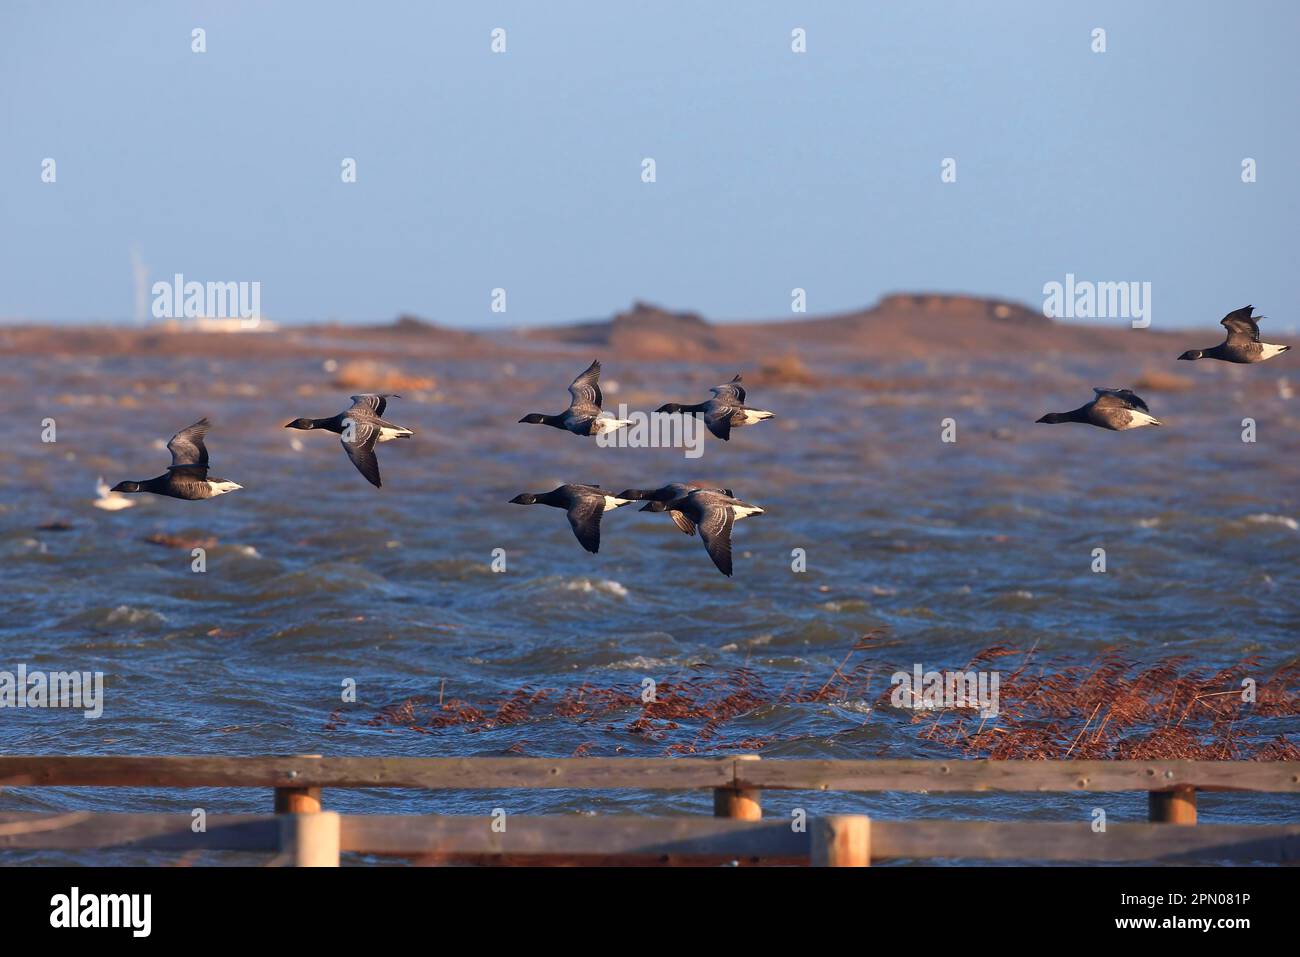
point(584, 415)
point(668, 493)
point(715, 513)
point(724, 412)
point(360, 429)
point(585, 504)
point(1242, 344)
point(1114, 409)
point(187, 476)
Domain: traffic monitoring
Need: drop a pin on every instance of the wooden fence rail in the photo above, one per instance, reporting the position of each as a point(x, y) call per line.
point(301, 833)
point(647, 773)
point(627, 839)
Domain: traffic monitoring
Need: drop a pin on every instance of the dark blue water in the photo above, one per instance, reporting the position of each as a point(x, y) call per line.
point(316, 579)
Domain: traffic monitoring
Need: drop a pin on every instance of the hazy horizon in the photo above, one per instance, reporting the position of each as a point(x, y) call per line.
point(1286, 327)
point(522, 170)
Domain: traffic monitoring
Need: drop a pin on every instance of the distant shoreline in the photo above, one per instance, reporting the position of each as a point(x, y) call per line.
point(899, 326)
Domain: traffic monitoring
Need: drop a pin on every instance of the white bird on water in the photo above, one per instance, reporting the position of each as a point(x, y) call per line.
point(109, 500)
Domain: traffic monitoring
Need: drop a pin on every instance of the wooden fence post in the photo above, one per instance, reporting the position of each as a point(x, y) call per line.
point(298, 800)
point(310, 840)
point(841, 840)
point(1172, 807)
point(741, 804)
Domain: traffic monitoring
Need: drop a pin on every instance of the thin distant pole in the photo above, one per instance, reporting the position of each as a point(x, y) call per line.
point(140, 275)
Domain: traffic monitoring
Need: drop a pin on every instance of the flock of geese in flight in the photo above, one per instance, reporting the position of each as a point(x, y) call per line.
point(1121, 409)
point(711, 511)
point(714, 511)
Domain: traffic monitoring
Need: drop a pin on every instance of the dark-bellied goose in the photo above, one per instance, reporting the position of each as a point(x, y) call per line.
point(1242, 344)
point(583, 416)
point(715, 512)
point(667, 493)
point(187, 476)
point(359, 429)
point(585, 504)
point(724, 412)
point(1114, 409)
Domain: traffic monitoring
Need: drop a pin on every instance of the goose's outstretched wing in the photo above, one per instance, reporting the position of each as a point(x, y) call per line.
point(361, 448)
point(681, 521)
point(1241, 326)
point(372, 402)
point(187, 447)
point(718, 418)
point(586, 391)
point(584, 518)
point(731, 392)
point(1120, 399)
point(715, 529)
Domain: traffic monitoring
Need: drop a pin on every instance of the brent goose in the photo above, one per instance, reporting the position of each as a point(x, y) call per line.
point(1242, 344)
point(585, 504)
point(368, 427)
point(668, 493)
point(583, 416)
point(187, 476)
point(724, 412)
point(715, 512)
point(1115, 409)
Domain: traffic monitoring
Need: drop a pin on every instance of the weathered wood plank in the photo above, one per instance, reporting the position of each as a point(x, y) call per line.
point(633, 839)
point(648, 773)
point(630, 837)
point(84, 830)
point(1277, 776)
point(626, 836)
point(425, 773)
point(1070, 841)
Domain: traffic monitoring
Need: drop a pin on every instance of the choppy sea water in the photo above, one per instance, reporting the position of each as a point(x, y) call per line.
point(316, 579)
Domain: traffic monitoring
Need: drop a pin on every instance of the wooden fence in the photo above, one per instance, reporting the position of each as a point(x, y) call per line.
point(299, 832)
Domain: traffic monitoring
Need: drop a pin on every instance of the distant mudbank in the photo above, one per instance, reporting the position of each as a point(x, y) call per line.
point(645, 330)
point(929, 325)
point(648, 331)
point(900, 327)
point(957, 306)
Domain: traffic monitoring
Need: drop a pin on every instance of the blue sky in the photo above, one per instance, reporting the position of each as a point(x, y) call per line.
point(522, 170)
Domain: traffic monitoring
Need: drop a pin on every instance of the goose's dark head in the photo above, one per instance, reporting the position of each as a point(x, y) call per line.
point(126, 487)
point(1191, 354)
point(670, 407)
point(1052, 418)
point(305, 424)
point(633, 494)
point(534, 418)
point(654, 506)
point(527, 498)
